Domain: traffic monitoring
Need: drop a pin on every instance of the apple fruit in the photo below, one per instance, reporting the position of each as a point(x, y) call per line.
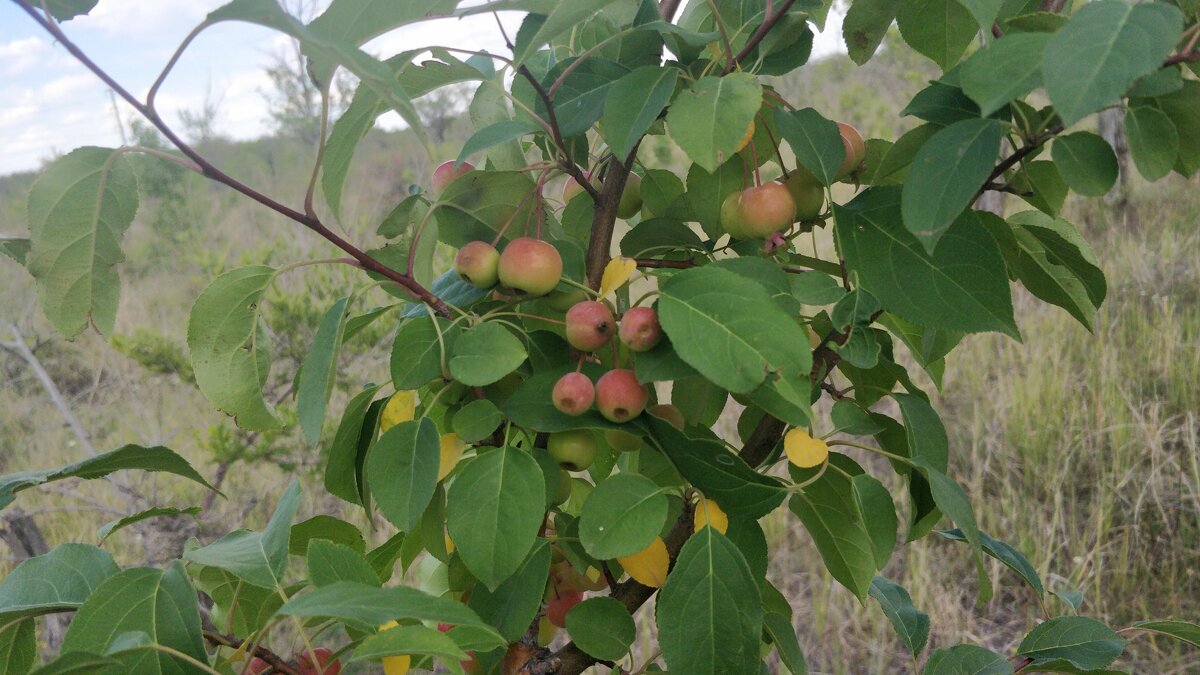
point(766, 209)
point(325, 663)
point(563, 491)
point(560, 604)
point(572, 188)
point(668, 413)
point(619, 395)
point(573, 394)
point(445, 173)
point(478, 263)
point(530, 266)
point(623, 441)
point(574, 450)
point(256, 666)
point(631, 197)
point(546, 631)
point(808, 195)
point(731, 216)
point(590, 325)
point(640, 330)
point(561, 301)
point(856, 150)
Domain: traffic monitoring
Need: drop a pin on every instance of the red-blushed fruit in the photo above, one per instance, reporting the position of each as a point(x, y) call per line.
point(573, 394)
point(478, 263)
point(574, 450)
point(445, 627)
point(731, 216)
point(856, 150)
point(257, 666)
point(445, 174)
point(640, 330)
point(590, 325)
point(809, 195)
point(325, 663)
point(668, 413)
point(530, 266)
point(631, 197)
point(471, 666)
point(560, 604)
point(619, 396)
point(766, 209)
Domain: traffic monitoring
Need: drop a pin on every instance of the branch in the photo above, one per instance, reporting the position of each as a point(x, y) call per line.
point(1185, 57)
point(761, 32)
point(1021, 153)
point(273, 659)
point(604, 219)
point(211, 172)
point(551, 119)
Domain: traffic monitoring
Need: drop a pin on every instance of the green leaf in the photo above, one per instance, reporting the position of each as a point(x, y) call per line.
point(1153, 140)
point(238, 607)
point(706, 190)
point(709, 614)
point(830, 512)
point(962, 287)
point(561, 18)
point(946, 174)
point(494, 509)
point(347, 452)
point(633, 104)
point(939, 29)
point(721, 475)
point(984, 11)
point(1105, 47)
point(602, 628)
point(414, 639)
point(345, 135)
point(580, 99)
point(159, 603)
point(879, 514)
point(259, 558)
point(230, 347)
point(893, 166)
point(1007, 68)
point(486, 353)
point(1086, 162)
point(318, 371)
point(709, 119)
point(953, 502)
point(15, 248)
point(927, 440)
point(477, 420)
point(783, 635)
point(330, 563)
point(113, 525)
point(1183, 107)
point(18, 646)
point(911, 624)
point(383, 557)
point(1067, 245)
point(621, 516)
point(941, 104)
point(816, 141)
point(1180, 630)
point(1084, 642)
point(58, 581)
point(848, 417)
point(357, 21)
point(402, 471)
point(79, 209)
point(865, 25)
point(514, 603)
point(65, 10)
point(730, 329)
point(324, 527)
point(495, 134)
point(1011, 557)
point(79, 663)
point(367, 606)
point(966, 660)
point(153, 459)
point(417, 350)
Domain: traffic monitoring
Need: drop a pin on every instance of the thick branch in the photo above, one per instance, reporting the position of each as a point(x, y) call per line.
point(556, 135)
point(212, 172)
point(604, 219)
point(278, 664)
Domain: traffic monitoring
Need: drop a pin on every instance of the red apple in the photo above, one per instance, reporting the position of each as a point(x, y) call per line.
point(256, 666)
point(856, 150)
point(590, 325)
point(619, 396)
point(325, 665)
point(766, 209)
point(445, 174)
point(560, 604)
point(478, 263)
point(573, 394)
point(530, 266)
point(808, 194)
point(640, 330)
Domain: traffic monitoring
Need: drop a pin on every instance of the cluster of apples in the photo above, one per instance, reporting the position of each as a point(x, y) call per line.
point(761, 211)
point(617, 394)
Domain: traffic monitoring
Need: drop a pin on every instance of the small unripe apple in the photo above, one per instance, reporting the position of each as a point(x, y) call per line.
point(668, 413)
point(561, 301)
point(590, 325)
point(640, 330)
point(623, 441)
point(546, 631)
point(478, 263)
point(766, 209)
point(563, 492)
point(619, 396)
point(530, 266)
point(325, 663)
point(808, 195)
point(631, 197)
point(573, 394)
point(560, 604)
point(257, 666)
point(445, 173)
point(572, 188)
point(856, 150)
point(731, 216)
point(574, 450)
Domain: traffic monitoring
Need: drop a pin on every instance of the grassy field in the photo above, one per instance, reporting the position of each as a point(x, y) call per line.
point(1081, 449)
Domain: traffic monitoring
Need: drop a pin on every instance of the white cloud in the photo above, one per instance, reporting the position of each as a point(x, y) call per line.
point(22, 55)
point(129, 18)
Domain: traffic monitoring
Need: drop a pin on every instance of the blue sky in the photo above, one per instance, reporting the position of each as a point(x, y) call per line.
point(53, 104)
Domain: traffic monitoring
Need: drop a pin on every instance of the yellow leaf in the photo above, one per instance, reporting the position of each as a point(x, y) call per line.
point(395, 665)
point(803, 450)
point(449, 544)
point(648, 566)
point(401, 407)
point(452, 451)
point(616, 273)
point(708, 513)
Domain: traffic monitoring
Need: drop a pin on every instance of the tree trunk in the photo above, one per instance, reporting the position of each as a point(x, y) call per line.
point(24, 539)
point(1112, 129)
